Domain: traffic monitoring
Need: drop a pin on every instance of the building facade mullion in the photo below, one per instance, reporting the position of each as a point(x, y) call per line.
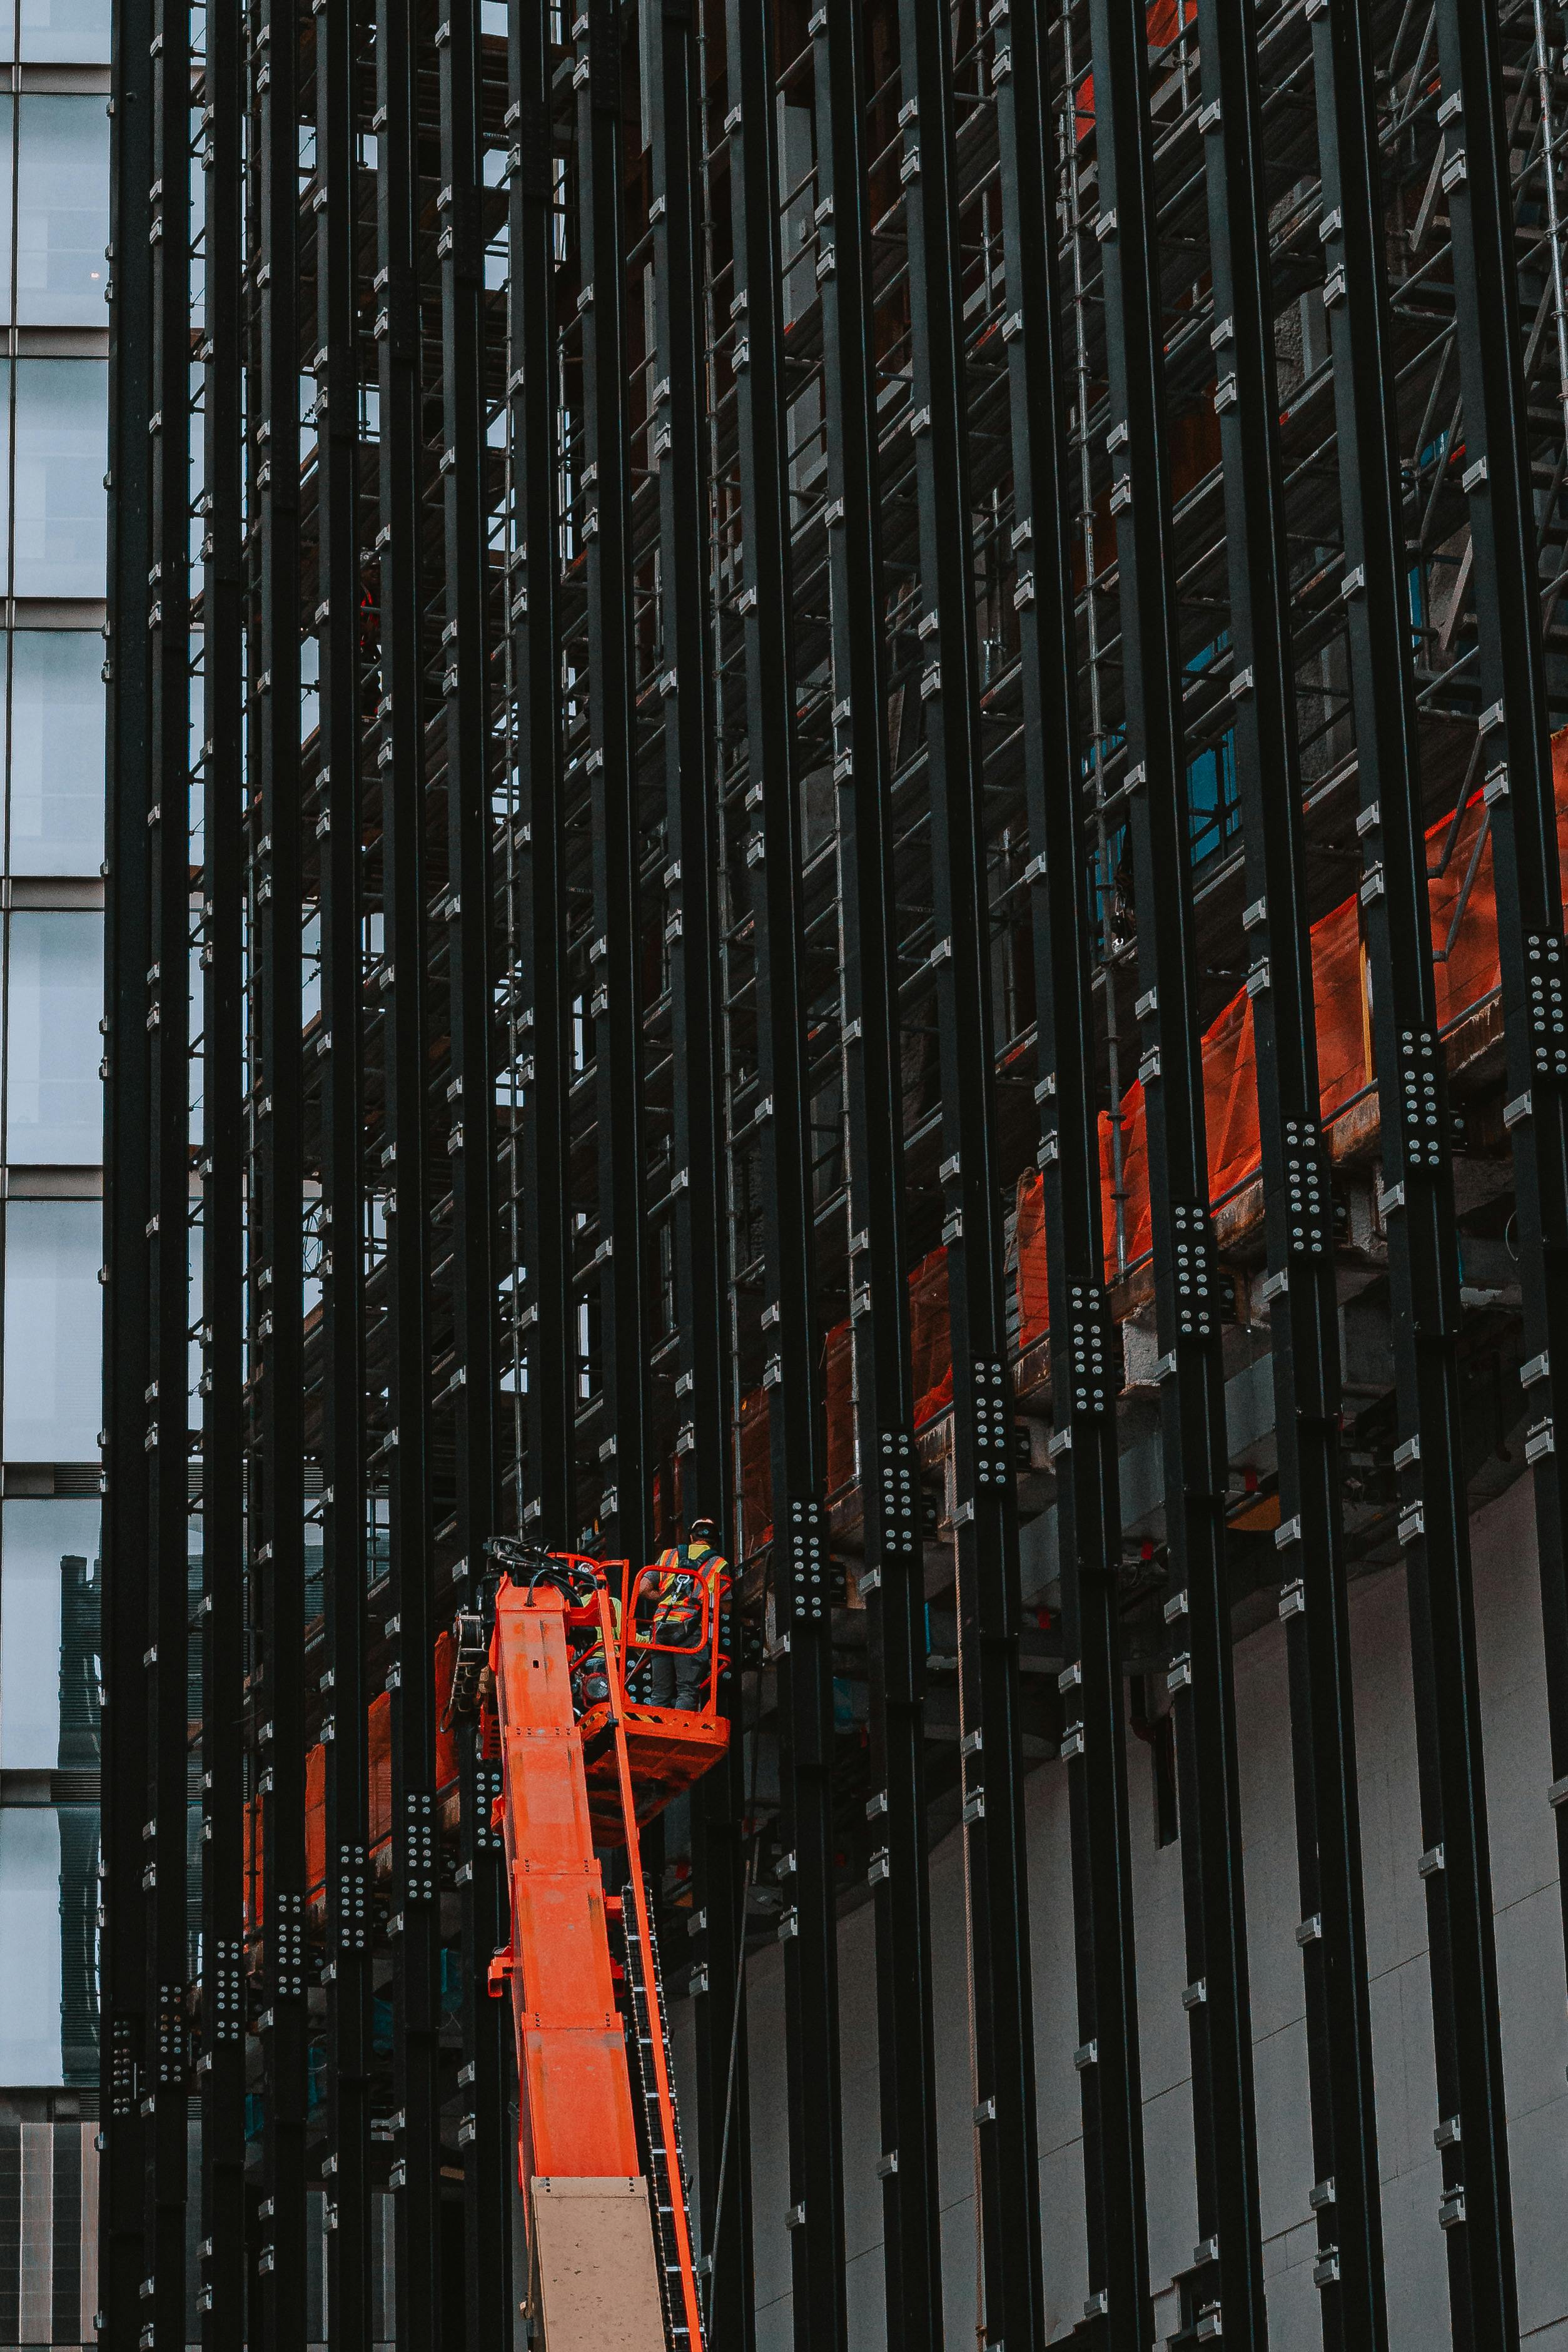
point(679, 427)
point(802, 1649)
point(1227, 2267)
point(614, 1008)
point(277, 1183)
point(1517, 763)
point(125, 2035)
point(541, 1144)
point(341, 522)
point(222, 2012)
point(1417, 1179)
point(893, 1579)
point(167, 1244)
point(986, 1513)
point(1300, 1282)
point(1083, 1342)
point(415, 1923)
point(471, 1138)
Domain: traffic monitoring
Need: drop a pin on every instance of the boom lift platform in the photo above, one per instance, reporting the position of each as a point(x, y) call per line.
point(561, 1673)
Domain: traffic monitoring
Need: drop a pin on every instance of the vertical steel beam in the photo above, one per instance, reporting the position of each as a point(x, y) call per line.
point(542, 1173)
point(340, 829)
point(679, 455)
point(487, 2164)
point(985, 1516)
point(1517, 758)
point(893, 1577)
point(278, 1180)
point(222, 2015)
point(127, 1184)
point(1187, 1306)
point(615, 953)
point(1085, 1377)
point(809, 1928)
point(1418, 1199)
point(1301, 1281)
point(415, 1924)
point(169, 1021)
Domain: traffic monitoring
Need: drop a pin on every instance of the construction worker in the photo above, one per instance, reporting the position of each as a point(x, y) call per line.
point(585, 1640)
point(682, 1661)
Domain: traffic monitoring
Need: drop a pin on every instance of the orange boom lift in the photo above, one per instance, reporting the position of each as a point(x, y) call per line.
point(573, 1649)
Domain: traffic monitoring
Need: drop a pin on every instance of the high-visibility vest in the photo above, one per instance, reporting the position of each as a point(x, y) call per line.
point(692, 1568)
point(593, 1651)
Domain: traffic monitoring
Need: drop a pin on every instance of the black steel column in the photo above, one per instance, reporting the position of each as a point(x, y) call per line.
point(986, 1513)
point(541, 1174)
point(489, 2159)
point(340, 1057)
point(791, 1376)
point(1475, 2210)
point(1301, 1284)
point(1187, 1306)
point(893, 1582)
point(1517, 760)
point(168, 1021)
point(222, 2013)
point(678, 427)
point(127, 2056)
point(1085, 1375)
point(415, 1923)
point(277, 1191)
point(615, 952)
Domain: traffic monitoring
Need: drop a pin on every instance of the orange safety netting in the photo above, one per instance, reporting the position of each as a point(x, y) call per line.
point(1464, 942)
point(1165, 20)
point(377, 1725)
point(1034, 1307)
point(840, 1385)
point(931, 1362)
point(1465, 948)
point(755, 1474)
point(930, 1337)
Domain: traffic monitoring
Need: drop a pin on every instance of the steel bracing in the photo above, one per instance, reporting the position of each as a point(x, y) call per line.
point(834, 805)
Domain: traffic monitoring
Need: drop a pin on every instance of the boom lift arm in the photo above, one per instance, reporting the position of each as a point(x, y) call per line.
point(583, 1763)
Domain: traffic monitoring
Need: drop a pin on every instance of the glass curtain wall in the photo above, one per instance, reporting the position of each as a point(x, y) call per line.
point(53, 227)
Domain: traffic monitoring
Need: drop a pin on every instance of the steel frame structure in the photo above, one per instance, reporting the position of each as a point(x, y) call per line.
point(724, 615)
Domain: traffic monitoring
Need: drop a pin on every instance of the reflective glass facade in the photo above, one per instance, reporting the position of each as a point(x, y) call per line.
point(54, 228)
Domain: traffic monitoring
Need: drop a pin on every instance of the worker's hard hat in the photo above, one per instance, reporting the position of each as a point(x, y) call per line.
point(705, 1526)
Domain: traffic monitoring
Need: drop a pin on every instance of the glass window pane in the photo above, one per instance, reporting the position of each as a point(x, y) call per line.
point(5, 430)
point(62, 421)
point(31, 1980)
point(54, 1332)
point(53, 1096)
point(65, 32)
point(49, 1946)
point(62, 212)
point(80, 1847)
point(56, 752)
point(49, 1662)
point(7, 122)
